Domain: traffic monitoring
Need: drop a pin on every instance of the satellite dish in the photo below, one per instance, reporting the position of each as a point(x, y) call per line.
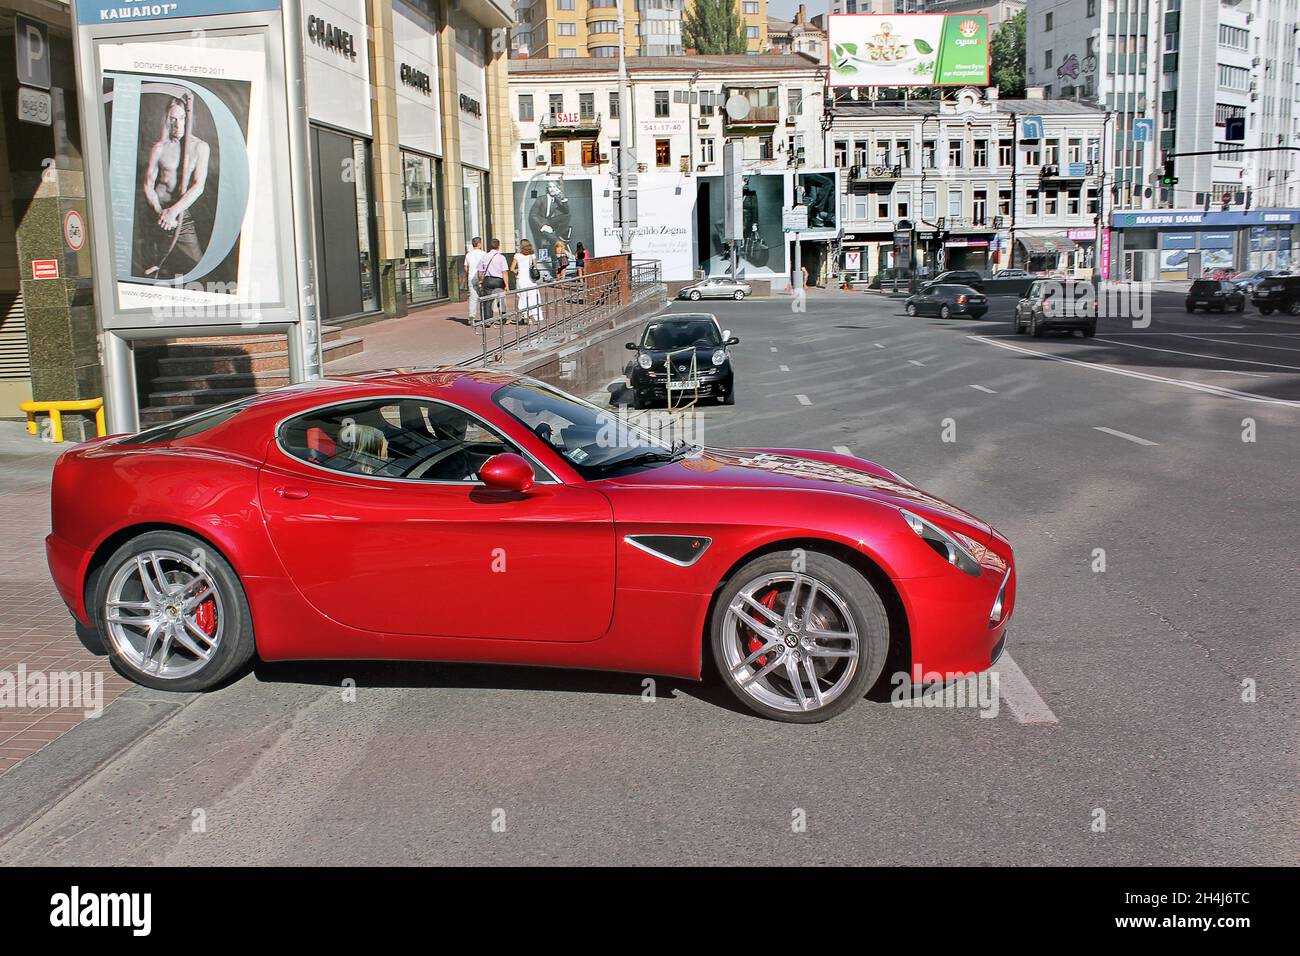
point(737, 106)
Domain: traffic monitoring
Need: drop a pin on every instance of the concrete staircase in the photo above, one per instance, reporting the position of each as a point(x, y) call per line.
point(181, 376)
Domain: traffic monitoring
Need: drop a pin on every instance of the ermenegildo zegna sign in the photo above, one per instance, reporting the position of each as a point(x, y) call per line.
point(196, 168)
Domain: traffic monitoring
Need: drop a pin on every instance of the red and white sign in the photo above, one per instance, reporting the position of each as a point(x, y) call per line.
point(663, 127)
point(45, 268)
point(1082, 235)
point(1105, 254)
point(74, 230)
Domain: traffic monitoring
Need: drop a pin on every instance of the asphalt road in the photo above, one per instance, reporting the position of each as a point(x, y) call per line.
point(1123, 694)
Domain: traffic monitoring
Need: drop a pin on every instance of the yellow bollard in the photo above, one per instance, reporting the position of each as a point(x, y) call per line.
point(56, 410)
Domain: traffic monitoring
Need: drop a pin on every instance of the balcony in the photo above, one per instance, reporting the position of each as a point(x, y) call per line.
point(569, 124)
point(1068, 170)
point(875, 174)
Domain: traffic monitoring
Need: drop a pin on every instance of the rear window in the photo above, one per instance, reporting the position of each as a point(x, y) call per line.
point(1205, 285)
point(188, 426)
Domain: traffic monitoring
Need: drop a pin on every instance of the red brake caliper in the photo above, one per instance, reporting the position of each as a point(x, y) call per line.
point(205, 615)
point(767, 600)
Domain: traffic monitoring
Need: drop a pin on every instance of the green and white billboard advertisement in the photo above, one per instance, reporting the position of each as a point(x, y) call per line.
point(914, 49)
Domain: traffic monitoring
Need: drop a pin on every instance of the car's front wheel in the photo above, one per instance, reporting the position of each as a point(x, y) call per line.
point(172, 612)
point(911, 309)
point(799, 636)
point(695, 295)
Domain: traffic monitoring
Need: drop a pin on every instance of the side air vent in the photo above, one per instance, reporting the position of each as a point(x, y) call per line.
point(682, 550)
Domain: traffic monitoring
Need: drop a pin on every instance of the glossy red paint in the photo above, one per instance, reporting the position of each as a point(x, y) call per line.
point(342, 566)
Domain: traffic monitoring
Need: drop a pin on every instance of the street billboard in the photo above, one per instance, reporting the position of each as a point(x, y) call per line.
point(913, 49)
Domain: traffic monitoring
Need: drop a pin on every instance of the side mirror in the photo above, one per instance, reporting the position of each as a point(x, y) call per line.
point(726, 333)
point(631, 346)
point(733, 341)
point(507, 472)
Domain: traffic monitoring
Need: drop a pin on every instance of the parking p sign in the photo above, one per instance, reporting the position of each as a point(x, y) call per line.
point(32, 51)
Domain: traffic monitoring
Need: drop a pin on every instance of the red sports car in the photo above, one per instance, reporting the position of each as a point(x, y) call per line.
point(471, 516)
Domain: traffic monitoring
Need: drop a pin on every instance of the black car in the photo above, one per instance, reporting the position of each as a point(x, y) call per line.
point(682, 355)
point(1217, 294)
point(1278, 294)
point(946, 300)
point(958, 277)
point(1052, 305)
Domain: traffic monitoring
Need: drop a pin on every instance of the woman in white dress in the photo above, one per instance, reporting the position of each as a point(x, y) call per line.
point(526, 275)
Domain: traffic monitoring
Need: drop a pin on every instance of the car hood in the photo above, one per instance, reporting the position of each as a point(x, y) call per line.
point(703, 355)
point(737, 468)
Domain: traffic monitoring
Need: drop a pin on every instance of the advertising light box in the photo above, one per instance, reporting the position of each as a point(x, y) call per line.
point(918, 49)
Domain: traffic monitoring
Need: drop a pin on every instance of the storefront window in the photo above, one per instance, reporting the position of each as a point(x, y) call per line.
point(425, 262)
point(474, 192)
point(365, 228)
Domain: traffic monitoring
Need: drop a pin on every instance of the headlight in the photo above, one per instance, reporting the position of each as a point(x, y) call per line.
point(719, 356)
point(643, 360)
point(943, 544)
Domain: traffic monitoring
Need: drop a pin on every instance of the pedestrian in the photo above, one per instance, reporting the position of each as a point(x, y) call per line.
point(473, 259)
point(561, 258)
point(580, 257)
point(805, 276)
point(492, 272)
point(529, 304)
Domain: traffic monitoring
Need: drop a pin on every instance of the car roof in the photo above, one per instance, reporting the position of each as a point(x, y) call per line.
point(680, 317)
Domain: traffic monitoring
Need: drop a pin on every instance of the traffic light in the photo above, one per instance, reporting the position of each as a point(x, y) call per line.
point(1168, 178)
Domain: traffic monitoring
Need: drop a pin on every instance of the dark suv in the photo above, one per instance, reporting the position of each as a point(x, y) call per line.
point(958, 277)
point(1278, 294)
point(1217, 294)
point(1053, 305)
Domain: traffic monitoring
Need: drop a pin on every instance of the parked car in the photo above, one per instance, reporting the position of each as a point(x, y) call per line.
point(682, 354)
point(1011, 274)
point(1221, 272)
point(716, 287)
point(958, 277)
point(1057, 305)
point(1217, 294)
point(1277, 294)
point(946, 300)
point(1247, 280)
point(354, 519)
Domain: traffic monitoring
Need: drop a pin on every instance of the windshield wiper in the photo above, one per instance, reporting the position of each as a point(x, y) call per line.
point(640, 458)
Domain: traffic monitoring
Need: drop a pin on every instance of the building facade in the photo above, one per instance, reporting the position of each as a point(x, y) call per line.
point(799, 35)
point(550, 29)
point(566, 114)
point(985, 184)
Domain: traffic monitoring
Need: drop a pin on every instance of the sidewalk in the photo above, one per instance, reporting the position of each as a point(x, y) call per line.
point(435, 335)
point(36, 630)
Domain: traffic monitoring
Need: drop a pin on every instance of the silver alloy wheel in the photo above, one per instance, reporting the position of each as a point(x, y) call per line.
point(809, 642)
point(151, 614)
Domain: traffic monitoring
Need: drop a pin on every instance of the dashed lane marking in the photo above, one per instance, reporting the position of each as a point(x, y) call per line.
point(804, 399)
point(1027, 705)
point(1124, 435)
point(981, 388)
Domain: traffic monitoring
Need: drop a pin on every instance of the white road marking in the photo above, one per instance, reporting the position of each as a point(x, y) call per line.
point(1219, 390)
point(1237, 371)
point(1125, 435)
point(841, 450)
point(915, 362)
point(784, 368)
point(981, 388)
point(773, 348)
point(1200, 355)
point(879, 346)
point(804, 399)
point(1027, 706)
point(1254, 345)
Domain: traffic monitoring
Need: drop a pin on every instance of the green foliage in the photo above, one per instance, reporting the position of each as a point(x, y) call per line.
point(714, 26)
point(1007, 51)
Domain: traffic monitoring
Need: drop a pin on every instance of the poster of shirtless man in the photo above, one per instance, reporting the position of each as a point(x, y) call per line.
point(175, 178)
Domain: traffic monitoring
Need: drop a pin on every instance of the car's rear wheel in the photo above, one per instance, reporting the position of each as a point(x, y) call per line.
point(173, 613)
point(1294, 309)
point(911, 309)
point(738, 294)
point(1264, 311)
point(1241, 306)
point(799, 645)
point(945, 312)
point(695, 295)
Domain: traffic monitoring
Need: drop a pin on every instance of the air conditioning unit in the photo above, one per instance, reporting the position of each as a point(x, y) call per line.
point(604, 157)
point(1254, 61)
point(541, 161)
point(791, 120)
point(703, 123)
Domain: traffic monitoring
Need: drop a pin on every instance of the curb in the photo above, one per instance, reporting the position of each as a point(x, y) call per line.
point(35, 784)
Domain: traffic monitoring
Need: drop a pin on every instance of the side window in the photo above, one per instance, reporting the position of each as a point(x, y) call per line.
point(413, 438)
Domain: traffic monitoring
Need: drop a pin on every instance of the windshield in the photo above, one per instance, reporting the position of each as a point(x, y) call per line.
point(596, 442)
point(669, 336)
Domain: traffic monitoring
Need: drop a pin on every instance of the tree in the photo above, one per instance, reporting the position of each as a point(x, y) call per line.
point(1007, 51)
point(714, 26)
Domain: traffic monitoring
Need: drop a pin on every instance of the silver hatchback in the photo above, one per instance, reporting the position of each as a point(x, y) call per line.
point(717, 287)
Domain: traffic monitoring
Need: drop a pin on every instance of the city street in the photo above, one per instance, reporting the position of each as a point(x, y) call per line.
point(1147, 479)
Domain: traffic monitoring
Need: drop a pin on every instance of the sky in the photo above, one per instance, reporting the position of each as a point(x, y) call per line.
point(784, 9)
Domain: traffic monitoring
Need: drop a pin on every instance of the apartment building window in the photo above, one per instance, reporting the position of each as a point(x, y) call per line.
point(841, 153)
point(859, 208)
point(557, 154)
point(929, 205)
point(903, 150)
point(706, 150)
point(661, 103)
point(882, 152)
point(604, 4)
point(565, 4)
point(751, 33)
point(794, 102)
point(1050, 200)
point(528, 155)
point(980, 207)
point(929, 154)
point(1094, 149)
point(882, 206)
point(859, 153)
point(613, 105)
point(1093, 204)
point(903, 204)
point(1047, 22)
point(707, 102)
point(1047, 59)
point(1234, 77)
point(1006, 152)
point(568, 52)
point(590, 153)
point(765, 150)
point(794, 146)
point(1004, 202)
point(587, 106)
point(954, 204)
point(751, 7)
point(1053, 152)
point(602, 26)
point(1073, 202)
point(954, 153)
point(1092, 8)
point(1234, 37)
point(1033, 157)
point(557, 104)
point(663, 153)
point(616, 153)
point(1074, 150)
point(525, 107)
point(981, 152)
point(566, 29)
point(1031, 202)
point(605, 51)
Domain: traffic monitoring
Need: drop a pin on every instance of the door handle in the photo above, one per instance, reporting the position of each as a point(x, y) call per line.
point(293, 493)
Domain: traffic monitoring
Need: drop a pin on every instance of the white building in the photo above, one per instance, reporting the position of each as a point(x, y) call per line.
point(566, 126)
point(987, 184)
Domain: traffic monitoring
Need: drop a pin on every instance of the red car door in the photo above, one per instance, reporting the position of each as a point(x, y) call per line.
point(443, 558)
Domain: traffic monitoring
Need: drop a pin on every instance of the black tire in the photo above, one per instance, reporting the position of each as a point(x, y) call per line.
point(1264, 311)
point(236, 646)
point(730, 397)
point(738, 295)
point(1294, 308)
point(945, 312)
point(1191, 308)
point(911, 308)
point(1015, 324)
point(1090, 331)
point(638, 401)
point(1035, 330)
point(695, 295)
point(864, 603)
point(1241, 306)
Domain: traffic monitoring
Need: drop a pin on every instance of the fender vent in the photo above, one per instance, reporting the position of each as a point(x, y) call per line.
point(682, 550)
